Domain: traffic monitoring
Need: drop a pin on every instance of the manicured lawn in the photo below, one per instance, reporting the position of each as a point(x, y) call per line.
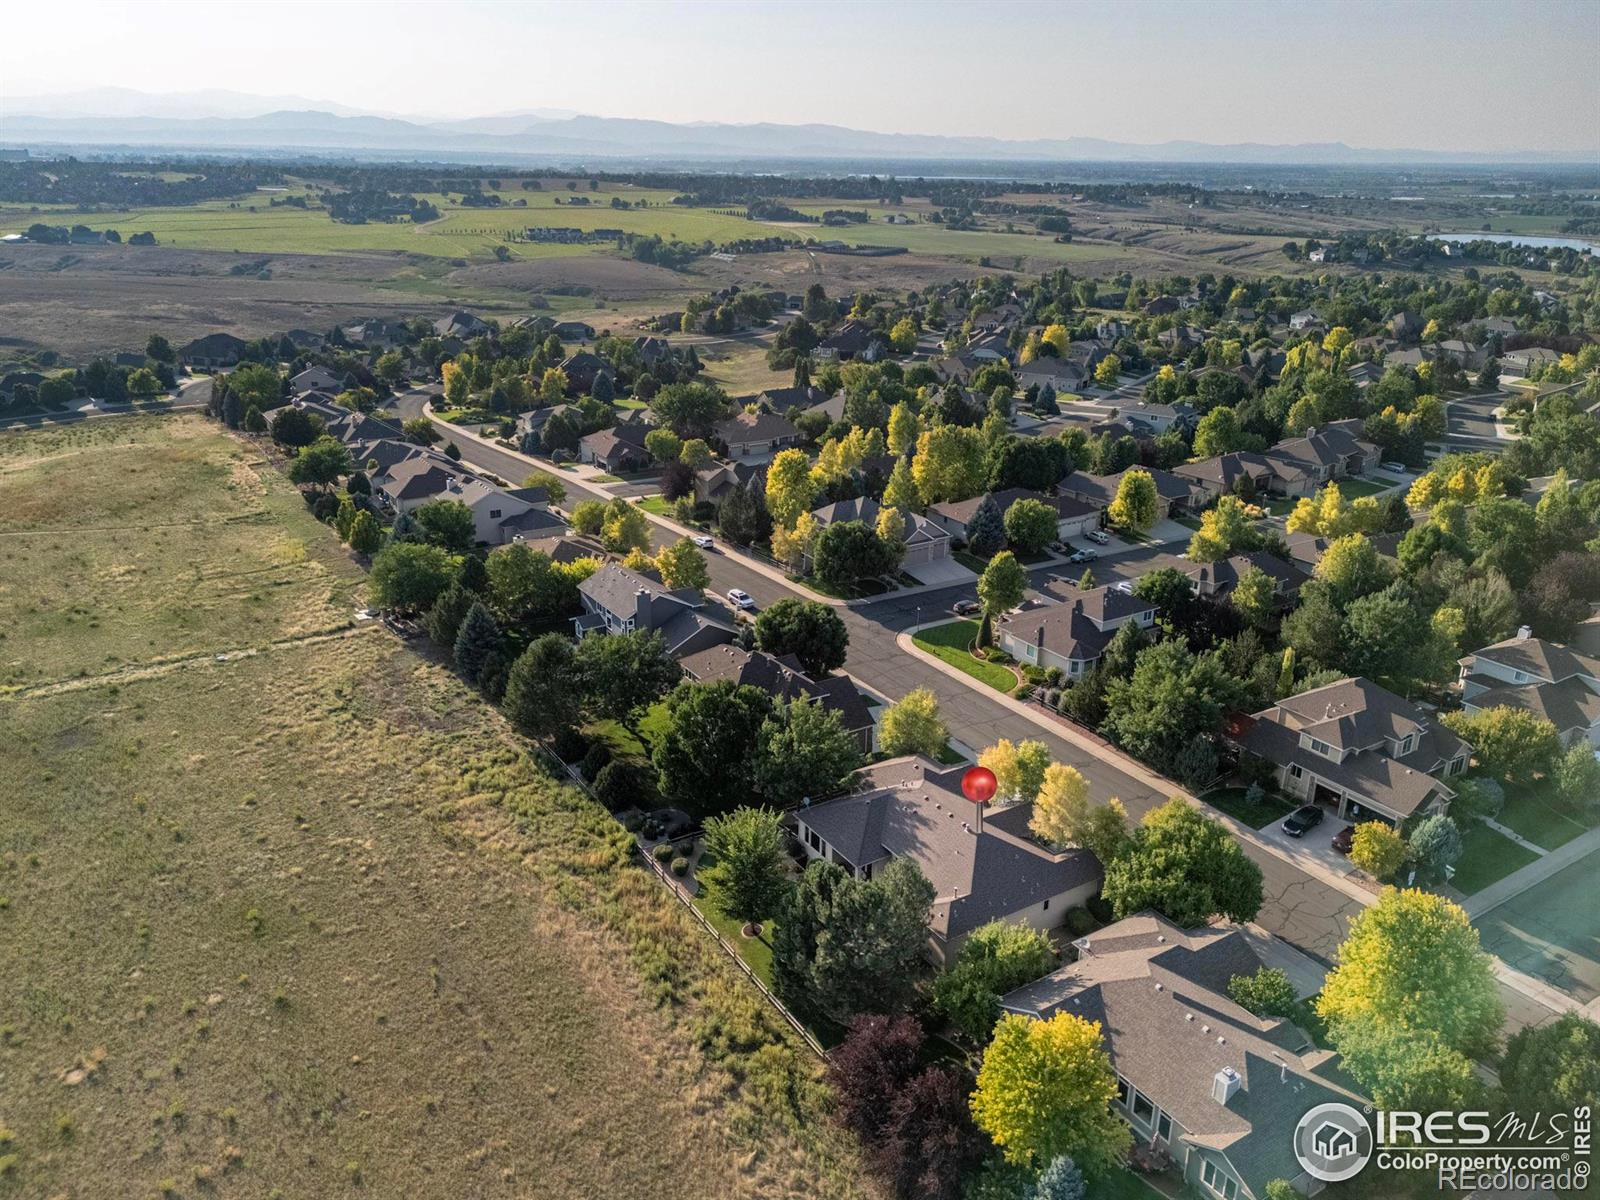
point(655, 504)
point(605, 479)
point(1532, 816)
point(464, 416)
point(1350, 489)
point(756, 951)
point(970, 561)
point(949, 643)
point(854, 591)
point(950, 756)
point(1487, 857)
point(1233, 801)
point(618, 738)
point(1123, 1185)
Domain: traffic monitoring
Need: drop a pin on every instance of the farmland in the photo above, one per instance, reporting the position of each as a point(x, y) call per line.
point(305, 920)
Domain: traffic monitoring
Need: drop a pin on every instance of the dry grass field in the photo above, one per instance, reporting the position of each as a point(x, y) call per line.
point(308, 922)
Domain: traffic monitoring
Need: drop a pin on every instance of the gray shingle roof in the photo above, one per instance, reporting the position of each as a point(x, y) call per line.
point(782, 678)
point(980, 869)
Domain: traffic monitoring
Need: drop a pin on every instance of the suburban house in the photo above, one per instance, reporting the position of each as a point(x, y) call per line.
point(213, 351)
point(1073, 634)
point(582, 369)
point(463, 325)
point(1173, 493)
point(1221, 475)
point(1358, 749)
point(565, 547)
point(1217, 580)
point(620, 448)
point(1304, 319)
point(1199, 1078)
point(406, 477)
point(617, 600)
point(1521, 363)
point(1056, 373)
point(1335, 451)
point(925, 541)
point(1406, 326)
point(1073, 517)
point(991, 347)
point(1545, 678)
point(375, 331)
point(789, 399)
point(784, 679)
point(982, 861)
point(1160, 306)
point(852, 339)
point(755, 435)
point(1464, 354)
point(318, 379)
point(653, 350)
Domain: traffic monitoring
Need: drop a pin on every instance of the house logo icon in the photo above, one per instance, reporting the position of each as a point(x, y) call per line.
point(1333, 1142)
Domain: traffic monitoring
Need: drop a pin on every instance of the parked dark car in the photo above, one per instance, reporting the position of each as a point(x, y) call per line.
point(1302, 819)
point(966, 608)
point(1344, 839)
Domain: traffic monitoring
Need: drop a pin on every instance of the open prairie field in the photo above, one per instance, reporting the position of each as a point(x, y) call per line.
point(309, 922)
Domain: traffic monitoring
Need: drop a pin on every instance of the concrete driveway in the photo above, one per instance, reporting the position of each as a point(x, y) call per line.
point(941, 572)
point(1314, 849)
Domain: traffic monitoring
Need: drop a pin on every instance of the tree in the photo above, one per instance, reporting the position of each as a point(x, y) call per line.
point(624, 673)
point(476, 640)
point(986, 531)
point(995, 958)
point(891, 526)
point(1135, 505)
point(1254, 595)
point(846, 551)
point(949, 464)
point(554, 487)
point(1412, 961)
point(1577, 776)
point(931, 1142)
point(741, 518)
point(903, 337)
point(142, 383)
point(254, 422)
point(664, 445)
point(790, 488)
point(1405, 1068)
point(321, 464)
point(803, 750)
point(746, 878)
point(1108, 370)
point(1172, 701)
point(1553, 1067)
point(705, 757)
point(1030, 525)
point(912, 725)
point(695, 454)
point(1185, 866)
point(445, 618)
point(448, 524)
point(1508, 743)
point(1061, 1180)
point(542, 689)
point(1226, 528)
point(901, 490)
point(869, 1069)
point(1061, 807)
point(690, 409)
point(1351, 567)
point(1019, 770)
point(1045, 1089)
point(1104, 830)
point(1434, 845)
point(410, 575)
point(845, 945)
point(624, 528)
point(1378, 849)
point(1001, 585)
point(903, 429)
point(807, 629)
point(681, 565)
point(160, 349)
point(419, 430)
point(1266, 992)
point(366, 535)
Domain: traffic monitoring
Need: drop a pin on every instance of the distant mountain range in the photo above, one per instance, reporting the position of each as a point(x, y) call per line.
point(222, 120)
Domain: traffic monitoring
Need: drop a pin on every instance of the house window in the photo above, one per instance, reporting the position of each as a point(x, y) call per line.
point(1045, 907)
point(1407, 744)
point(494, 513)
point(1164, 1127)
point(1322, 748)
point(1124, 1092)
point(1455, 766)
point(1218, 1180)
point(1143, 1110)
point(1294, 771)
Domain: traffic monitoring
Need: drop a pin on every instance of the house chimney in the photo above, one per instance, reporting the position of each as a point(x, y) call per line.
point(1524, 632)
point(1224, 1084)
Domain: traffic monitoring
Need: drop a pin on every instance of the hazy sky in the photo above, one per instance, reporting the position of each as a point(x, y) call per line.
point(1473, 75)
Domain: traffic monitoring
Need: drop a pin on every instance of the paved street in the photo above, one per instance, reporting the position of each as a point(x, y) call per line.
point(1471, 424)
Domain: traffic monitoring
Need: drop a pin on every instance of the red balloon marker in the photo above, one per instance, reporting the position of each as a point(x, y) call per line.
point(979, 784)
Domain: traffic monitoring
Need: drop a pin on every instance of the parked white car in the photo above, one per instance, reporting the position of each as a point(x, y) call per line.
point(1098, 536)
point(740, 598)
point(704, 540)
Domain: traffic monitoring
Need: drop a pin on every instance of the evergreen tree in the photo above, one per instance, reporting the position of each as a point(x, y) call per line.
point(449, 611)
point(986, 531)
point(478, 638)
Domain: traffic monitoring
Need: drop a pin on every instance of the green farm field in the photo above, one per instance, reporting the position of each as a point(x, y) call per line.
point(308, 921)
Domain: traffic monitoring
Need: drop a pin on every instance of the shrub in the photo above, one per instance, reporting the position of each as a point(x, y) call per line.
point(1080, 922)
point(1477, 798)
point(663, 852)
point(595, 760)
point(571, 745)
point(622, 784)
point(680, 867)
point(1052, 698)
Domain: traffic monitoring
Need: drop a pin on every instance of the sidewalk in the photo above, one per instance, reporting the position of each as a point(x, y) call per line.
point(1100, 748)
point(1535, 873)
